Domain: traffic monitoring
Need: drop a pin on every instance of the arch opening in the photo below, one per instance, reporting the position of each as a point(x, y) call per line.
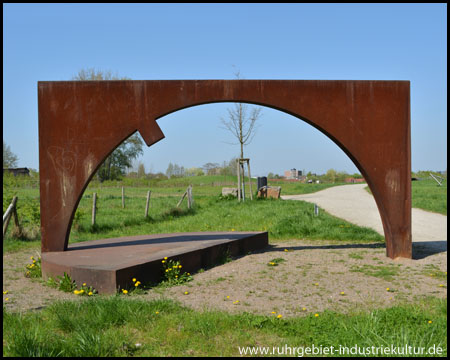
point(286, 120)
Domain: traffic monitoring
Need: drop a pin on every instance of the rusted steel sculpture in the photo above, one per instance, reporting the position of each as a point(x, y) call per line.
point(82, 122)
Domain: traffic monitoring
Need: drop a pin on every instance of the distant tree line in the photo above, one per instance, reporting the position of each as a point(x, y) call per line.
point(9, 158)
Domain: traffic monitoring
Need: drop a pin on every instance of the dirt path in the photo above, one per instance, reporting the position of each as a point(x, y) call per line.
point(314, 276)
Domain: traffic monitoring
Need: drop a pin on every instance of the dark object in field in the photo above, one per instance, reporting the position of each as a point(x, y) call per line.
point(262, 181)
point(82, 122)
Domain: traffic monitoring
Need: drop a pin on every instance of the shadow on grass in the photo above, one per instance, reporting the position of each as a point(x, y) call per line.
point(420, 250)
point(272, 248)
point(136, 221)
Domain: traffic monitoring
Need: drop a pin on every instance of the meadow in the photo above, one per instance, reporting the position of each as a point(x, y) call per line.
point(427, 195)
point(129, 326)
point(120, 327)
point(211, 212)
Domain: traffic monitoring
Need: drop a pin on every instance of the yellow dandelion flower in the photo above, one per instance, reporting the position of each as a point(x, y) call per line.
point(186, 292)
point(76, 292)
point(429, 321)
point(317, 284)
point(441, 285)
point(81, 291)
point(179, 266)
point(136, 284)
point(188, 274)
point(6, 299)
point(273, 312)
point(286, 250)
point(232, 229)
point(167, 270)
point(228, 297)
point(125, 291)
point(387, 289)
point(165, 258)
point(163, 261)
point(279, 316)
point(157, 312)
point(134, 279)
point(316, 315)
point(84, 284)
point(90, 293)
point(34, 261)
point(31, 258)
point(5, 292)
point(342, 293)
point(304, 309)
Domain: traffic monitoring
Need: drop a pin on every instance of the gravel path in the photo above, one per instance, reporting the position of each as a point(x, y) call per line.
point(356, 205)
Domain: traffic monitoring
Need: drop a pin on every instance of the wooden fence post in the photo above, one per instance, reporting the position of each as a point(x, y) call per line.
point(182, 198)
point(239, 180)
point(147, 204)
point(250, 179)
point(123, 198)
point(188, 192)
point(94, 207)
point(16, 219)
point(189, 195)
point(9, 212)
point(243, 181)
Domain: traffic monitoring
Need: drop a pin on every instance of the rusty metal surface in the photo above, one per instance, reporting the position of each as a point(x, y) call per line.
point(109, 264)
point(82, 122)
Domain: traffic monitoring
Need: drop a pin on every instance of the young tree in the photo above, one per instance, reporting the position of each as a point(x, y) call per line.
point(242, 122)
point(141, 171)
point(170, 170)
point(121, 158)
point(9, 158)
point(331, 175)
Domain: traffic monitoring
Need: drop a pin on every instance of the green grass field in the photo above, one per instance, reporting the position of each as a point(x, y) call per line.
point(426, 194)
point(113, 326)
point(282, 219)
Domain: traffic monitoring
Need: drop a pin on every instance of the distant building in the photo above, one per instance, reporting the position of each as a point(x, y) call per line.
point(18, 171)
point(353, 180)
point(293, 174)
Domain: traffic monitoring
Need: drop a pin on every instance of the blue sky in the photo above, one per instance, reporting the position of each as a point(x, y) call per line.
point(43, 42)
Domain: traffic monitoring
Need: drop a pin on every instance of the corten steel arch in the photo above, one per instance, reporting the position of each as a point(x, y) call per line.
point(82, 122)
